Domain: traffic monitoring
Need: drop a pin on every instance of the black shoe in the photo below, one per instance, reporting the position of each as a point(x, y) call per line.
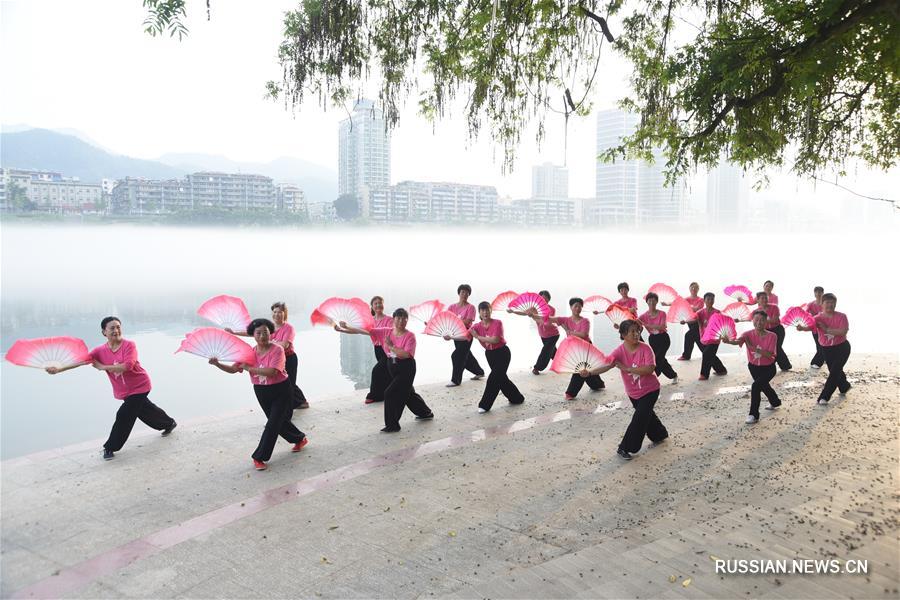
point(844, 391)
point(108, 454)
point(624, 455)
point(169, 429)
point(390, 429)
point(427, 417)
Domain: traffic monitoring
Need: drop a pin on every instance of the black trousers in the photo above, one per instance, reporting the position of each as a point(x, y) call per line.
point(548, 352)
point(577, 382)
point(463, 361)
point(134, 407)
point(660, 343)
point(498, 381)
point(710, 360)
point(762, 375)
point(835, 357)
point(643, 422)
point(380, 376)
point(819, 358)
point(691, 337)
point(780, 357)
point(290, 365)
point(276, 401)
point(401, 394)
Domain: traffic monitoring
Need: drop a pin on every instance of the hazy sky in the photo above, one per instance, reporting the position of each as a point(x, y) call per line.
point(87, 65)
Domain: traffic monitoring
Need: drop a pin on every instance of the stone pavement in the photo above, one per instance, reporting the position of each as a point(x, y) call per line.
point(523, 502)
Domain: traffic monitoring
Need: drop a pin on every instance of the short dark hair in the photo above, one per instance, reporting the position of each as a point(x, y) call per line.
point(106, 320)
point(761, 294)
point(818, 288)
point(257, 323)
point(693, 283)
point(829, 296)
point(400, 312)
point(759, 312)
point(709, 295)
point(626, 326)
point(545, 295)
point(622, 285)
point(651, 295)
point(280, 305)
point(575, 300)
point(464, 286)
point(483, 305)
point(768, 281)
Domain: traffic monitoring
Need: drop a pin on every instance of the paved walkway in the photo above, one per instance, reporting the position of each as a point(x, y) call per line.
point(526, 501)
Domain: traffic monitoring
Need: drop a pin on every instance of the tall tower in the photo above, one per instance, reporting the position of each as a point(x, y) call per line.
point(549, 182)
point(364, 151)
point(726, 195)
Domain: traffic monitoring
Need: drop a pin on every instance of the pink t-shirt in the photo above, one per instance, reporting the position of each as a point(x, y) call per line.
point(813, 308)
point(773, 299)
point(406, 342)
point(134, 380)
point(274, 358)
point(637, 385)
point(753, 340)
point(382, 323)
point(655, 324)
point(285, 333)
point(774, 316)
point(628, 303)
point(495, 329)
point(695, 303)
point(570, 326)
point(466, 312)
point(703, 317)
point(547, 329)
point(837, 320)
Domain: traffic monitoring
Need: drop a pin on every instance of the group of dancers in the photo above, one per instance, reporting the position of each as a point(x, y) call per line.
point(274, 371)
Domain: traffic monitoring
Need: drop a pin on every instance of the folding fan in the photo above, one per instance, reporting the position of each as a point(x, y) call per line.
point(741, 293)
point(447, 323)
point(425, 311)
point(617, 314)
point(719, 327)
point(210, 342)
point(59, 352)
point(226, 311)
point(597, 304)
point(666, 293)
point(737, 311)
point(680, 311)
point(797, 316)
point(528, 300)
point(501, 302)
point(353, 311)
point(575, 354)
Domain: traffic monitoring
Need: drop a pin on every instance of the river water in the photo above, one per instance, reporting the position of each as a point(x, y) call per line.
point(61, 280)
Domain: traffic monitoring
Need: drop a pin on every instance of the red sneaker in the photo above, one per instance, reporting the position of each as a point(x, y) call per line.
point(299, 445)
point(682, 358)
point(370, 401)
point(259, 465)
point(702, 378)
point(570, 397)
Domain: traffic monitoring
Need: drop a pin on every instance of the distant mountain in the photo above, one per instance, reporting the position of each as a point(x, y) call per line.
point(47, 150)
point(17, 127)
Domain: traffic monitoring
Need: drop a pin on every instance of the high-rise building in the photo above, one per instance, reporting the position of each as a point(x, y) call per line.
point(726, 195)
point(364, 151)
point(549, 182)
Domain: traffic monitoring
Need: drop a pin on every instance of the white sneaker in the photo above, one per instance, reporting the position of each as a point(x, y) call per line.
point(821, 401)
point(751, 420)
point(451, 384)
point(481, 411)
point(815, 366)
point(770, 407)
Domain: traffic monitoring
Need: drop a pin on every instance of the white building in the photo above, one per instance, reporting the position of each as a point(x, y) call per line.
point(726, 195)
point(51, 191)
point(206, 189)
point(427, 202)
point(364, 151)
point(549, 181)
point(292, 199)
point(546, 211)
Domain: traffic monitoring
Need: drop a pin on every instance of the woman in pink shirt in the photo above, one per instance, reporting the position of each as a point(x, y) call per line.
point(814, 308)
point(400, 347)
point(118, 357)
point(579, 327)
point(774, 325)
point(832, 327)
point(489, 332)
point(762, 347)
point(273, 392)
point(380, 376)
point(692, 335)
point(625, 301)
point(636, 362)
point(710, 360)
point(548, 332)
point(655, 323)
point(462, 358)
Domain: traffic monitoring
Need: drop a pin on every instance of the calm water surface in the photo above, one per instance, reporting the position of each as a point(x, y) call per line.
point(59, 280)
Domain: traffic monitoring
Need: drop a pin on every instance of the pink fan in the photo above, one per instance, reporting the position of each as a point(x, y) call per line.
point(426, 311)
point(617, 314)
point(741, 293)
point(530, 300)
point(575, 354)
point(353, 311)
point(447, 323)
point(797, 316)
point(226, 311)
point(210, 342)
point(596, 304)
point(666, 293)
point(59, 352)
point(680, 311)
point(737, 311)
point(501, 302)
point(719, 327)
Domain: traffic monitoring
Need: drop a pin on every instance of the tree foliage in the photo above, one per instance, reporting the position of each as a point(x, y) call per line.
point(813, 83)
point(346, 207)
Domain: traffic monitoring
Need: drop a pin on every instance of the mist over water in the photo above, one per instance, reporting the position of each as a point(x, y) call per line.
point(61, 280)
